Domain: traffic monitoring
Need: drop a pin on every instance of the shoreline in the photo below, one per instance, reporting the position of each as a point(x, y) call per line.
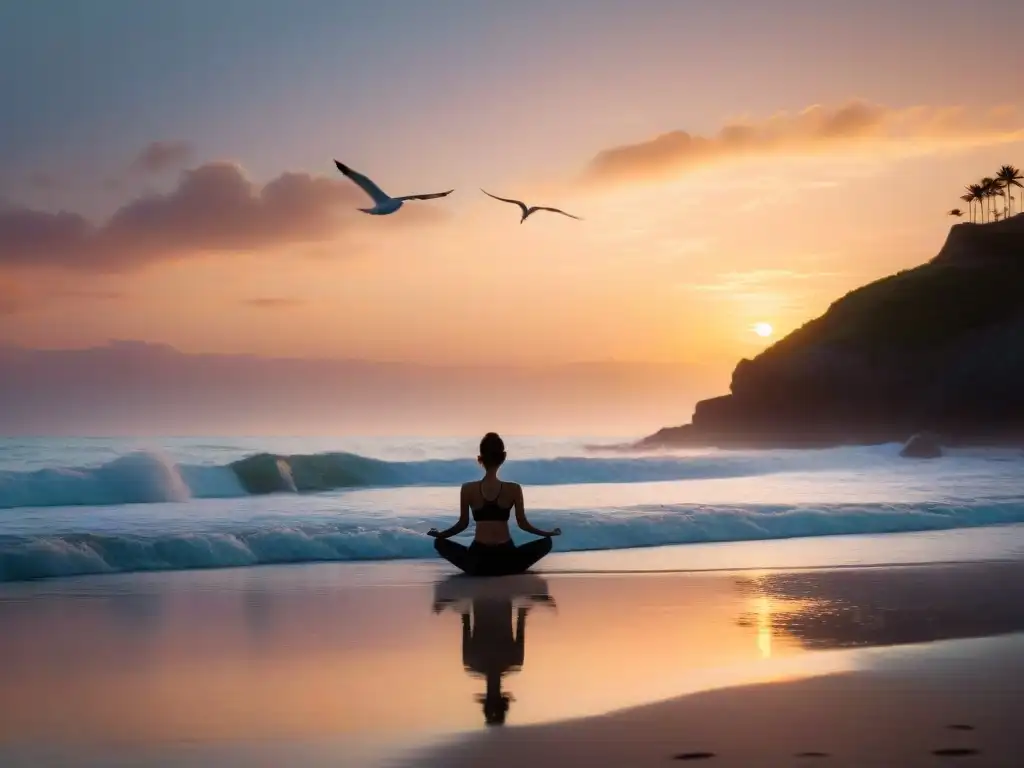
point(364, 664)
point(941, 546)
point(954, 698)
point(681, 437)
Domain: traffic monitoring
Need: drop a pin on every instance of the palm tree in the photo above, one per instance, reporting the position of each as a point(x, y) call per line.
point(1010, 177)
point(956, 212)
point(978, 196)
point(998, 190)
point(969, 199)
point(987, 193)
point(990, 187)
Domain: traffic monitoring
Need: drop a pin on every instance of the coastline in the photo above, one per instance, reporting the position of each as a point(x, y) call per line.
point(364, 664)
point(684, 436)
point(887, 361)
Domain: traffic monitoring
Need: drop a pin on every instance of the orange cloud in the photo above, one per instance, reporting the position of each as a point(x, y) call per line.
point(213, 208)
point(12, 296)
point(814, 130)
point(23, 295)
point(97, 295)
point(272, 302)
point(732, 282)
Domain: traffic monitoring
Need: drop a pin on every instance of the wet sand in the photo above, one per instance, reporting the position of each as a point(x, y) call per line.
point(362, 665)
point(945, 704)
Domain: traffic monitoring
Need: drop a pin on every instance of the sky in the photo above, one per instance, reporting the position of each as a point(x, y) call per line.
point(166, 170)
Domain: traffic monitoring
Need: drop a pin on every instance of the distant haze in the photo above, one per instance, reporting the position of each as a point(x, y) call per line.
point(167, 174)
point(134, 388)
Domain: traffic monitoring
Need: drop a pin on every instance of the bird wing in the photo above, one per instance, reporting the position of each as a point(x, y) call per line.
point(431, 196)
point(378, 194)
point(556, 210)
point(507, 200)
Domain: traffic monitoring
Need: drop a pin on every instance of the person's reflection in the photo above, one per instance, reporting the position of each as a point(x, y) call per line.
point(491, 647)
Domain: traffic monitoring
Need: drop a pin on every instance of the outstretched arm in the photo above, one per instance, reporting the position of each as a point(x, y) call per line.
point(525, 524)
point(463, 521)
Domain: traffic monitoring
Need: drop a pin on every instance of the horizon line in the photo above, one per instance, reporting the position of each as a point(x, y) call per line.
point(157, 346)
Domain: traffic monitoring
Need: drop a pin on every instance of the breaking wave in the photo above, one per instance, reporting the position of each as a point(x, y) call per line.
point(48, 555)
point(147, 477)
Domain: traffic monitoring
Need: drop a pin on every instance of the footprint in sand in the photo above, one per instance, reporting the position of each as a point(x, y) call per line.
point(694, 756)
point(955, 752)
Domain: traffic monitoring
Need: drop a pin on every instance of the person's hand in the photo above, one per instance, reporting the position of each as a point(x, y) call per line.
point(555, 532)
point(434, 532)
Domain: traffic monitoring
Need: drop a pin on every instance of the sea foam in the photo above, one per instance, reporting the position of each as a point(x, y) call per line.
point(150, 477)
point(377, 538)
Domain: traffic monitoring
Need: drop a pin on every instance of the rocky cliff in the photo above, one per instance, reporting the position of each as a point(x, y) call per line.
point(939, 347)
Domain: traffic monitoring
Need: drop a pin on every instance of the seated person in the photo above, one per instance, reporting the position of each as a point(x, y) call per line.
point(492, 553)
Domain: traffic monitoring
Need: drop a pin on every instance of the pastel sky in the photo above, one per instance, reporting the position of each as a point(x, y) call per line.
point(166, 169)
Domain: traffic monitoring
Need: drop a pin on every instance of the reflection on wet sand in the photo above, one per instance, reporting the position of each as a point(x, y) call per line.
point(303, 655)
point(834, 706)
point(864, 607)
point(490, 648)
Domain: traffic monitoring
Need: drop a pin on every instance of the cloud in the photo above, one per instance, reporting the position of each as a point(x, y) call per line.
point(731, 282)
point(160, 156)
point(213, 208)
point(43, 181)
point(271, 302)
point(97, 295)
point(22, 295)
point(12, 297)
point(814, 130)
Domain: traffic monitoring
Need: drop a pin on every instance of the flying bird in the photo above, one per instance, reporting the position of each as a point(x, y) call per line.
point(383, 203)
point(529, 210)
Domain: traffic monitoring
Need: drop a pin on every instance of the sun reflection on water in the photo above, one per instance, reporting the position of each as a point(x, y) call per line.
point(764, 627)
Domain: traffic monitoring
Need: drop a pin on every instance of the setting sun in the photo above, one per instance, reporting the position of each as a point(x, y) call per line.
point(764, 330)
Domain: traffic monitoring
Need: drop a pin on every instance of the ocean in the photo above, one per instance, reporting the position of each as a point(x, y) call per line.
point(89, 506)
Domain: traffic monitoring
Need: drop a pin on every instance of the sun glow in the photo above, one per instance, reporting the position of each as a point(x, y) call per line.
point(764, 330)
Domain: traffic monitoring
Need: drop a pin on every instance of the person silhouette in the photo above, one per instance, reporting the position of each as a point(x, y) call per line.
point(491, 502)
point(491, 647)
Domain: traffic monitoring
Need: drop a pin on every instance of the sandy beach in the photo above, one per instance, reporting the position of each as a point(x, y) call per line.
point(611, 664)
point(922, 706)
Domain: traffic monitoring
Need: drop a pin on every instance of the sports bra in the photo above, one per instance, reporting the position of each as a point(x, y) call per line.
point(491, 511)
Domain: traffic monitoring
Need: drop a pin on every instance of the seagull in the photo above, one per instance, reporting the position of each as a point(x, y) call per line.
point(383, 203)
point(531, 209)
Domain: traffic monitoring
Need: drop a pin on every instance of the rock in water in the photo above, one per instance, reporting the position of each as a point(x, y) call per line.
point(924, 445)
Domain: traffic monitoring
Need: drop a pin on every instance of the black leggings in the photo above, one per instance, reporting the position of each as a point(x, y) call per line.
point(492, 559)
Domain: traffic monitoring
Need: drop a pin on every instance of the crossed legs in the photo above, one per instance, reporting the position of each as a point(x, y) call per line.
point(499, 560)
